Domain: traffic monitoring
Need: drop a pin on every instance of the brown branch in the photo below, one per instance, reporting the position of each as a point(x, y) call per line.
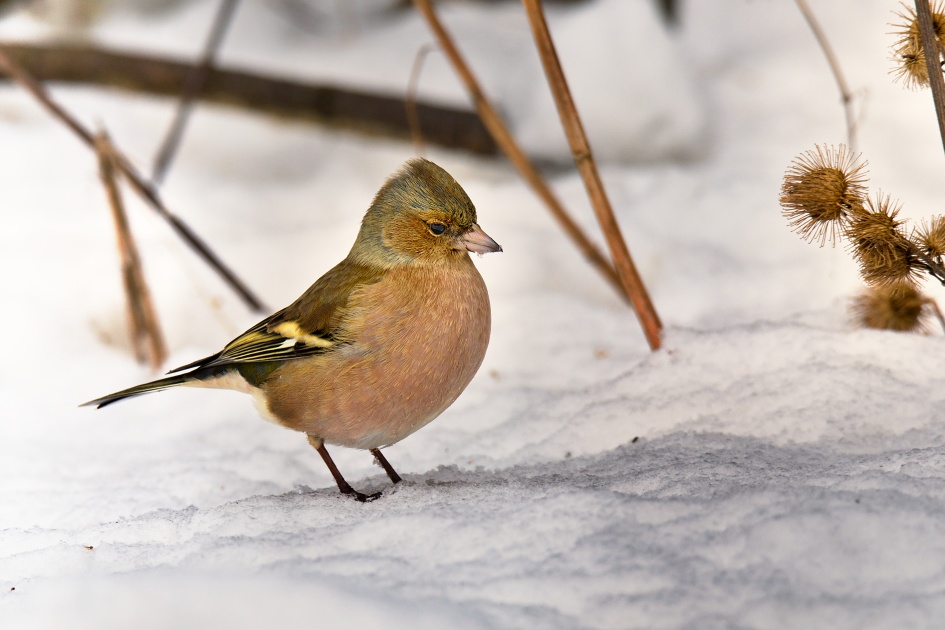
point(931, 265)
point(500, 133)
point(933, 61)
point(584, 159)
point(142, 187)
point(195, 83)
point(145, 331)
point(341, 108)
point(845, 95)
point(413, 119)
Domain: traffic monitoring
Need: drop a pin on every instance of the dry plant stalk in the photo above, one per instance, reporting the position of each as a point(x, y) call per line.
point(824, 196)
point(503, 138)
point(195, 83)
point(584, 159)
point(143, 327)
point(845, 95)
point(413, 118)
point(139, 185)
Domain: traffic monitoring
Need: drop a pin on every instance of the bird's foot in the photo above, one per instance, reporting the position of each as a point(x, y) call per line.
point(360, 496)
point(343, 485)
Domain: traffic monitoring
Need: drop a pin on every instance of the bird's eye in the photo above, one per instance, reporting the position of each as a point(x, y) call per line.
point(437, 228)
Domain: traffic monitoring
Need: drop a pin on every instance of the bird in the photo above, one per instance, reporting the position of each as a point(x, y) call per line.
point(382, 343)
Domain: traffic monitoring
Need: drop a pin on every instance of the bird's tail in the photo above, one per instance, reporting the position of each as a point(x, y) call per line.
point(155, 386)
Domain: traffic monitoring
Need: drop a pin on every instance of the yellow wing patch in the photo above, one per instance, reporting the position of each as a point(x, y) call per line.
point(284, 341)
point(292, 330)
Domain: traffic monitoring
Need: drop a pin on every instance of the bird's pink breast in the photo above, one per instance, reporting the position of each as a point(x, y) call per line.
point(416, 346)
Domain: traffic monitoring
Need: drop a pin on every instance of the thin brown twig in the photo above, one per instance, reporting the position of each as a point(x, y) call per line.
point(845, 95)
point(931, 265)
point(938, 313)
point(140, 186)
point(933, 61)
point(413, 118)
point(145, 331)
point(497, 129)
point(584, 159)
point(192, 88)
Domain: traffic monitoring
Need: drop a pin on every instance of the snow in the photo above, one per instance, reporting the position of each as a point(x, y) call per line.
point(771, 467)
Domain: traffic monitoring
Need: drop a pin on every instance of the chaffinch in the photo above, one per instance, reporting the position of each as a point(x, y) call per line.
point(381, 344)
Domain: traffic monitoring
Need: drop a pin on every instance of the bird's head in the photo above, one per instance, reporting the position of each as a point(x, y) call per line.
point(420, 216)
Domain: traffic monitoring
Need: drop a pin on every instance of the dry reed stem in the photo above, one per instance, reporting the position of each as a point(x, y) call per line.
point(195, 82)
point(410, 101)
point(845, 95)
point(140, 186)
point(503, 138)
point(584, 160)
point(933, 61)
point(144, 329)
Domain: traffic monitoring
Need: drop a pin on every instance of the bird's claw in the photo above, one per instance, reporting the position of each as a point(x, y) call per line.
point(360, 496)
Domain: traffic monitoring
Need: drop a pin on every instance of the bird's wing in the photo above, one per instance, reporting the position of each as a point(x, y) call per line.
point(311, 325)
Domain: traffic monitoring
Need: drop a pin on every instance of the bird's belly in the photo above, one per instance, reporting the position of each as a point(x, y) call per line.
point(387, 385)
point(378, 403)
point(378, 399)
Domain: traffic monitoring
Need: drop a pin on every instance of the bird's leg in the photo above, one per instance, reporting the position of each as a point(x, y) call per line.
point(343, 485)
point(376, 452)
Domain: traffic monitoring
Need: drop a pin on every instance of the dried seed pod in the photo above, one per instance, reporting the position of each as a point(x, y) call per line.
point(908, 52)
point(894, 306)
point(877, 242)
point(931, 237)
point(820, 189)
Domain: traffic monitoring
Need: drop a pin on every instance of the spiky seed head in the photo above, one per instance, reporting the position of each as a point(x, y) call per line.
point(894, 306)
point(910, 67)
point(878, 243)
point(908, 52)
point(931, 236)
point(820, 189)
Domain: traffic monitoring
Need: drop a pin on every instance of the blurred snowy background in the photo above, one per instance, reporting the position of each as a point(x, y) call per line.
point(771, 467)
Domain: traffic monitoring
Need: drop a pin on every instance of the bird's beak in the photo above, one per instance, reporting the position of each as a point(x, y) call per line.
point(475, 240)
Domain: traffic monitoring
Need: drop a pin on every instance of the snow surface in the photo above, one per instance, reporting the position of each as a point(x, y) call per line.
point(772, 467)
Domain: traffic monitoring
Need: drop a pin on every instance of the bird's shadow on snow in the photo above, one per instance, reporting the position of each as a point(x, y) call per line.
point(688, 465)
